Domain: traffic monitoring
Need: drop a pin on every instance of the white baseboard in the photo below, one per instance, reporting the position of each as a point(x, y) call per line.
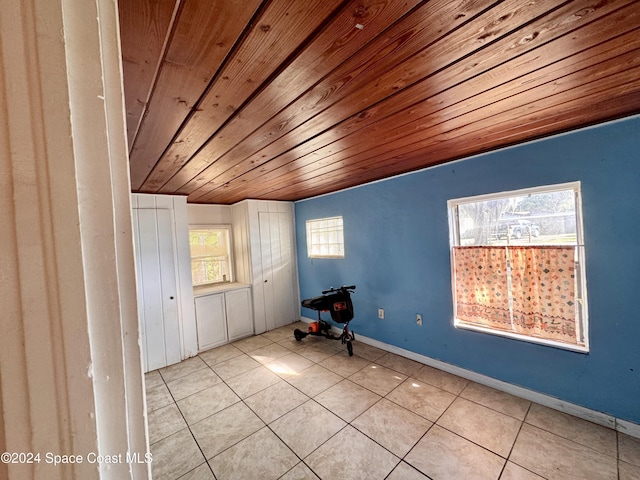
point(624, 426)
point(630, 428)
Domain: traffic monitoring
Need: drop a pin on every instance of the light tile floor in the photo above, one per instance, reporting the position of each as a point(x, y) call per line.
point(268, 407)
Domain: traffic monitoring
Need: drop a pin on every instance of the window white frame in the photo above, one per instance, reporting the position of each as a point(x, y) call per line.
point(227, 231)
point(581, 286)
point(325, 237)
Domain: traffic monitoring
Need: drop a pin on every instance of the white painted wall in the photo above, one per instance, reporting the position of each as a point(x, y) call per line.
point(241, 242)
point(208, 214)
point(70, 373)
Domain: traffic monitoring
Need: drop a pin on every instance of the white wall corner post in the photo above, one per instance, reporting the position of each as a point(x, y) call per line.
point(70, 368)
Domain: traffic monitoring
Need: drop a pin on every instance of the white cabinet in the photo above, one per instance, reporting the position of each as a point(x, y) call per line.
point(265, 257)
point(211, 321)
point(239, 317)
point(165, 309)
point(223, 317)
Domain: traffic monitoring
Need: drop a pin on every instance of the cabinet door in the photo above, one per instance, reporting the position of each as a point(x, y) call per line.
point(288, 277)
point(268, 243)
point(211, 321)
point(277, 268)
point(157, 288)
point(239, 313)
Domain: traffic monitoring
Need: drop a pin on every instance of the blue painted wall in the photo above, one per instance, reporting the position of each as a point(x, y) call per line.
point(397, 253)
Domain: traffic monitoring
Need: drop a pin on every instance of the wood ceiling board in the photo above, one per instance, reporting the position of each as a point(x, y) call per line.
point(403, 42)
point(263, 50)
point(536, 121)
point(597, 90)
point(204, 32)
point(143, 25)
point(505, 92)
point(561, 76)
point(535, 59)
point(414, 95)
point(334, 45)
point(423, 160)
point(489, 121)
point(471, 37)
point(301, 167)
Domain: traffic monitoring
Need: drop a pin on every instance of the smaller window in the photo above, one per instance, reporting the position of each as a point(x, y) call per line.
point(210, 255)
point(325, 238)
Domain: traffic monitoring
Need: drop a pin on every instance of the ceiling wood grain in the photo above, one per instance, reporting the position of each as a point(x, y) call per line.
point(284, 99)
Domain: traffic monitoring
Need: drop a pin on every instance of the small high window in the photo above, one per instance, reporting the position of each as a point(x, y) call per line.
point(325, 238)
point(518, 265)
point(210, 255)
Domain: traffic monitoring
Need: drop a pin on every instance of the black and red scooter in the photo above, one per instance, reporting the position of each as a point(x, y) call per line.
point(337, 301)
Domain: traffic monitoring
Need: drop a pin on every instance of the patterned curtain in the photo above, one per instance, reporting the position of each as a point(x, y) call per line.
point(536, 299)
point(482, 294)
point(543, 292)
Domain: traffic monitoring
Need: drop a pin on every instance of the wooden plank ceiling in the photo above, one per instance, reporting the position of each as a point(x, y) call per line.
point(287, 99)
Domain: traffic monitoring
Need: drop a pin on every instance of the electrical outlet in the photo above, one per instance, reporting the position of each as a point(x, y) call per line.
point(419, 318)
point(381, 313)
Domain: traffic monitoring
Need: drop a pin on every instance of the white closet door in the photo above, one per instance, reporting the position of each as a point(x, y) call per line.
point(278, 265)
point(289, 288)
point(157, 295)
point(276, 251)
point(266, 249)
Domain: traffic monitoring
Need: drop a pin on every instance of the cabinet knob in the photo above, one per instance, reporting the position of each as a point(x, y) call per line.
point(170, 298)
point(266, 281)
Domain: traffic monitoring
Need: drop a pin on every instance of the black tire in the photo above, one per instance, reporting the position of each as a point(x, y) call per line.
point(298, 334)
point(350, 348)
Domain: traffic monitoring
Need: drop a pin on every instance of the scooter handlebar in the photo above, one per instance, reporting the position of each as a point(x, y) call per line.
point(343, 288)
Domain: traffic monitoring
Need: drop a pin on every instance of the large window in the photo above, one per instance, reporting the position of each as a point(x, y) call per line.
point(518, 265)
point(325, 238)
point(210, 255)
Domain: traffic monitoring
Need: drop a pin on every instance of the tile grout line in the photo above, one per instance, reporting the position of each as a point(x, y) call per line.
point(350, 423)
point(317, 403)
point(268, 425)
point(206, 460)
point(522, 422)
point(322, 406)
point(372, 362)
point(210, 367)
point(346, 423)
point(240, 400)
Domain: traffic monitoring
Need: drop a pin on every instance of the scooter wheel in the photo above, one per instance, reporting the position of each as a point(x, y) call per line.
point(298, 334)
point(350, 349)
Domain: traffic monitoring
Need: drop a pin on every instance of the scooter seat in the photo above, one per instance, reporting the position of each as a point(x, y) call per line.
point(321, 303)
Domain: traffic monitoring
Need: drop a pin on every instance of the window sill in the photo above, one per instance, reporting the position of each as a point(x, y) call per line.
point(524, 338)
point(204, 290)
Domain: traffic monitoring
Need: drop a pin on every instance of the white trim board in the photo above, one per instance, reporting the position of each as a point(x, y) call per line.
point(624, 426)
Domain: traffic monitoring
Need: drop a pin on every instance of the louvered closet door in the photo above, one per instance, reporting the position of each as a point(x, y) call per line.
point(157, 288)
point(277, 279)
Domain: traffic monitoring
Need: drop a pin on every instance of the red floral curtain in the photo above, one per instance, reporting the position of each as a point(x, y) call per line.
point(482, 294)
point(543, 292)
point(535, 298)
